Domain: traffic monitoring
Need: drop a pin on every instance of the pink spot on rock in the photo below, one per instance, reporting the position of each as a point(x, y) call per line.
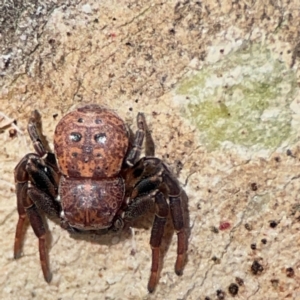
point(224, 225)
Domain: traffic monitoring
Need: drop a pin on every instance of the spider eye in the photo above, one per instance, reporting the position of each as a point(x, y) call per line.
point(80, 120)
point(100, 138)
point(75, 136)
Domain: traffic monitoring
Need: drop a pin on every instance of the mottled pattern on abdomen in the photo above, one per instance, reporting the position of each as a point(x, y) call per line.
point(91, 204)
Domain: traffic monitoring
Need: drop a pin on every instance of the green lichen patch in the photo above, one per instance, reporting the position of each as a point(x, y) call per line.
point(243, 99)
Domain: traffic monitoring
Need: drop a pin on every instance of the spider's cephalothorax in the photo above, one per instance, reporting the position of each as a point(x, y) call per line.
point(96, 180)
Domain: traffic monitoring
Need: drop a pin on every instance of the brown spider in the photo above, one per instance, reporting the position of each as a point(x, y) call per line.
point(95, 180)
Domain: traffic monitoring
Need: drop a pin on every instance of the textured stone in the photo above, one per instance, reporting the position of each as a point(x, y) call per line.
point(139, 56)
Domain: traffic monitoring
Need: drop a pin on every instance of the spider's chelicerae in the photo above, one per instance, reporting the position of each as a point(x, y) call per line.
point(96, 180)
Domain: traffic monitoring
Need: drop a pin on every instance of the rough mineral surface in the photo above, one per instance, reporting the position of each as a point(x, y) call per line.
point(218, 82)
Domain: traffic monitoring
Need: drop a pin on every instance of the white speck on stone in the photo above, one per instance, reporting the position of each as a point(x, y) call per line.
point(218, 51)
point(115, 240)
point(112, 278)
point(194, 63)
point(23, 37)
point(6, 57)
point(270, 114)
point(39, 10)
point(86, 8)
point(295, 105)
point(7, 290)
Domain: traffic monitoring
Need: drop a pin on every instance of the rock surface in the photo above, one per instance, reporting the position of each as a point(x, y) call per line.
point(219, 85)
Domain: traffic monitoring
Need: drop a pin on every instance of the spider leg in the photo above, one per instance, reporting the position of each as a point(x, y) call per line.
point(135, 152)
point(152, 183)
point(34, 129)
point(138, 207)
point(21, 191)
point(149, 143)
point(39, 229)
point(21, 181)
point(143, 131)
point(162, 211)
point(150, 179)
point(43, 177)
point(177, 218)
point(36, 189)
point(26, 208)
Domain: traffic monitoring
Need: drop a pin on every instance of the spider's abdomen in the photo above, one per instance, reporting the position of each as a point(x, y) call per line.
point(90, 142)
point(90, 204)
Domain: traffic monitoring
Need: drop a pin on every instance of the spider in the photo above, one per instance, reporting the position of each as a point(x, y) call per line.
point(96, 180)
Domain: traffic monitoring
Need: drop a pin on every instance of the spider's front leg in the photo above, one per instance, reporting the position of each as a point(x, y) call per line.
point(138, 139)
point(36, 181)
